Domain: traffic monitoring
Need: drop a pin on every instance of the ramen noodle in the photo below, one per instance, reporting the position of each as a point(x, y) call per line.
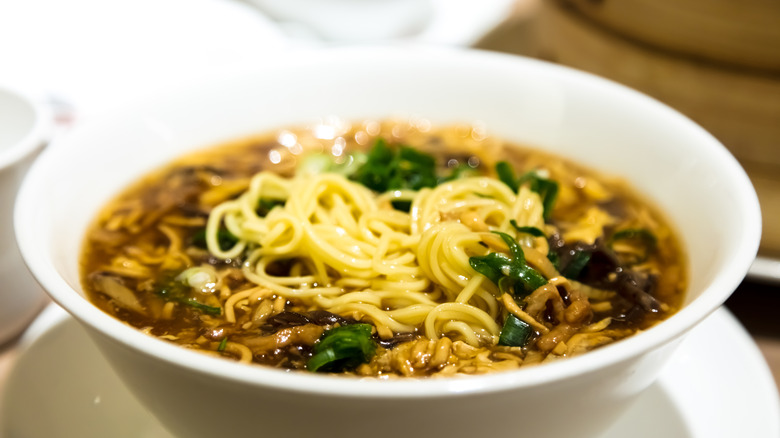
point(383, 249)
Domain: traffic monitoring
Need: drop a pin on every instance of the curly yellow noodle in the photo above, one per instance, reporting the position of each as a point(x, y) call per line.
point(356, 256)
point(447, 312)
point(230, 303)
point(242, 351)
point(175, 256)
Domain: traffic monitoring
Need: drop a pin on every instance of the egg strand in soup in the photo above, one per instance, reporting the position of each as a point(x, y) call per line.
point(383, 249)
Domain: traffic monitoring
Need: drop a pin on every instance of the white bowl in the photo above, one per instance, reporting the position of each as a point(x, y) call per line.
point(667, 157)
point(25, 127)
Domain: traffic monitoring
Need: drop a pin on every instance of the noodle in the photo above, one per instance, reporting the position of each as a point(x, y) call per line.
point(289, 257)
point(335, 236)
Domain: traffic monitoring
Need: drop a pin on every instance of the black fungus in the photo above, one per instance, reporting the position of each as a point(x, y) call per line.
point(604, 271)
point(288, 319)
point(397, 339)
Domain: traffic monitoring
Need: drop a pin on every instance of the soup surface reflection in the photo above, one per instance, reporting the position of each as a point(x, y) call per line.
point(383, 249)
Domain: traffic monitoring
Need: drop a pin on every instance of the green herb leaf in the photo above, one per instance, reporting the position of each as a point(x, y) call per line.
point(342, 348)
point(522, 279)
point(461, 171)
point(536, 232)
point(225, 238)
point(387, 169)
point(576, 264)
point(643, 239)
point(515, 333)
point(507, 175)
point(402, 205)
point(211, 310)
point(223, 344)
point(317, 163)
point(178, 292)
point(264, 206)
point(554, 258)
point(490, 265)
point(376, 172)
point(414, 170)
point(546, 189)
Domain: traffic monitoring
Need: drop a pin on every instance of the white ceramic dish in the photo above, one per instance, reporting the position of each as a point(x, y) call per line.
point(62, 377)
point(25, 127)
point(667, 157)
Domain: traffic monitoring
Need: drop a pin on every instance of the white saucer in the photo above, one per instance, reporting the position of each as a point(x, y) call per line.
point(716, 385)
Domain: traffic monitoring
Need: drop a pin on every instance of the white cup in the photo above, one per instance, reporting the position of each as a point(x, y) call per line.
point(25, 127)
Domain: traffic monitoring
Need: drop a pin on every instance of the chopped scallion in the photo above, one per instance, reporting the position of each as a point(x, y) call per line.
point(225, 238)
point(509, 274)
point(576, 264)
point(641, 239)
point(546, 189)
point(177, 291)
point(264, 206)
point(536, 232)
point(515, 333)
point(342, 348)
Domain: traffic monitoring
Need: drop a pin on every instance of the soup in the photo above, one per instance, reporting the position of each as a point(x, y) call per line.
point(383, 249)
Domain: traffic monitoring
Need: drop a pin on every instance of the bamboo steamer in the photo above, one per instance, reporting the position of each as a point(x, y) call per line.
point(739, 32)
point(739, 105)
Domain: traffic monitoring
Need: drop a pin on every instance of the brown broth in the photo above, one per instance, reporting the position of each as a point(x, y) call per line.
point(144, 238)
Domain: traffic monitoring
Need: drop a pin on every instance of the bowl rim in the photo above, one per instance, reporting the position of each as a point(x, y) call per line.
point(712, 296)
point(38, 133)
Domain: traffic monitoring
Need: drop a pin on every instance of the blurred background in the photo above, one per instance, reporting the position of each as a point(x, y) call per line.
point(717, 62)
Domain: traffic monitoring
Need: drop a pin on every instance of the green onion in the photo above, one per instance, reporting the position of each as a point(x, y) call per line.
point(264, 206)
point(554, 258)
point(317, 163)
point(177, 292)
point(223, 344)
point(342, 348)
point(644, 239)
point(507, 175)
point(490, 265)
point(460, 171)
point(376, 172)
point(515, 333)
point(577, 263)
point(225, 238)
point(528, 276)
point(546, 189)
point(211, 310)
point(402, 205)
point(404, 167)
point(414, 170)
point(521, 279)
point(536, 232)
point(386, 168)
